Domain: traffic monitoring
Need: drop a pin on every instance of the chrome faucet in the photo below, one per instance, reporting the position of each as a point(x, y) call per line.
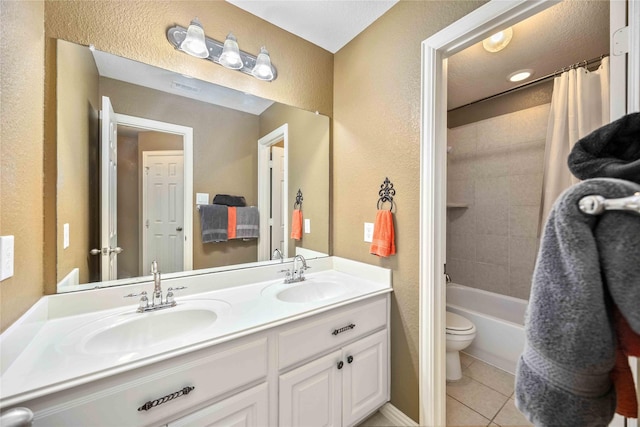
point(277, 255)
point(156, 302)
point(296, 274)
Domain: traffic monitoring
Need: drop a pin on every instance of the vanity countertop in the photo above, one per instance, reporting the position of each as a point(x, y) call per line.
point(48, 350)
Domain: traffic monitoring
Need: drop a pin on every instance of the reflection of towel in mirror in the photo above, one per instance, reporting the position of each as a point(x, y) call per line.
point(247, 222)
point(296, 225)
point(383, 243)
point(213, 223)
point(225, 199)
point(231, 228)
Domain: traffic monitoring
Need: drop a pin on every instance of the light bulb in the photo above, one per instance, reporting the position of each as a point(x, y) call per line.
point(194, 44)
point(262, 69)
point(498, 41)
point(230, 56)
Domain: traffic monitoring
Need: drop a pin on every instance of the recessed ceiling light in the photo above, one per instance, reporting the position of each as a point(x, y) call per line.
point(520, 75)
point(498, 41)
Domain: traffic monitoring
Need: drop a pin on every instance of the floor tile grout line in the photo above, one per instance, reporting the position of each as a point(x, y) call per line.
point(464, 404)
point(489, 387)
point(501, 408)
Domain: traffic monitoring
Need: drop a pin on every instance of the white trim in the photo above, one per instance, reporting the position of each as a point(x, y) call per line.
point(633, 58)
point(187, 146)
point(468, 30)
point(279, 134)
point(396, 416)
point(617, 63)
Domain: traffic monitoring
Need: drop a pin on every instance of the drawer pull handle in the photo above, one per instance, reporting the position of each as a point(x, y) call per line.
point(344, 329)
point(340, 364)
point(349, 359)
point(153, 403)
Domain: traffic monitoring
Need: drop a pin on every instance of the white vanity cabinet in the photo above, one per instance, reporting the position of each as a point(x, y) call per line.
point(344, 386)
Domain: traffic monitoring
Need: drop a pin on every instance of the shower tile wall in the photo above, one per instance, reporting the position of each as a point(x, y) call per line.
point(495, 168)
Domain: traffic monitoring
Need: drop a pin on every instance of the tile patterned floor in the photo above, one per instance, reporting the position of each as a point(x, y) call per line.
point(377, 420)
point(483, 397)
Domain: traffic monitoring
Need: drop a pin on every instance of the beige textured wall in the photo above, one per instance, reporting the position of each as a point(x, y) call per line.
point(308, 170)
point(79, 102)
point(225, 155)
point(21, 152)
point(137, 30)
point(377, 134)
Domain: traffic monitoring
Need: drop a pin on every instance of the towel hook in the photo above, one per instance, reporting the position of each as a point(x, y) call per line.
point(386, 193)
point(299, 199)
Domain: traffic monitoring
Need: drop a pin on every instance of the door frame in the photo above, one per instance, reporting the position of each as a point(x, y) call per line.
point(144, 231)
point(264, 189)
point(470, 29)
point(187, 148)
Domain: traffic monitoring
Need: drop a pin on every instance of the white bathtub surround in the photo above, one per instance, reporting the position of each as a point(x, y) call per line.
point(46, 350)
point(499, 322)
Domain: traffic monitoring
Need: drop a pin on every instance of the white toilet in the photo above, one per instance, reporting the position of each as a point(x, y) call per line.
point(460, 333)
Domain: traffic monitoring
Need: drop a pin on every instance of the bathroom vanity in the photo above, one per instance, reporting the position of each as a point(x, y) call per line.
point(240, 348)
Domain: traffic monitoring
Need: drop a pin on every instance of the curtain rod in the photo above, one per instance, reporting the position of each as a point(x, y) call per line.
point(584, 63)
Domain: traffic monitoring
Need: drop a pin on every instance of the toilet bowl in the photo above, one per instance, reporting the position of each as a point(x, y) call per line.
point(460, 334)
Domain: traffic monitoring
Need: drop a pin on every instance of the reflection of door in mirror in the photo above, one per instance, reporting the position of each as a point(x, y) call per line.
point(277, 198)
point(108, 191)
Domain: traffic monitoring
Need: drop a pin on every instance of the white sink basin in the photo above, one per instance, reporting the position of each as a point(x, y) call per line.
point(131, 331)
point(310, 290)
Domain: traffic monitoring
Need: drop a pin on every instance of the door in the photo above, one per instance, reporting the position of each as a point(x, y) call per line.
point(278, 209)
point(163, 210)
point(365, 378)
point(247, 409)
point(108, 192)
point(311, 395)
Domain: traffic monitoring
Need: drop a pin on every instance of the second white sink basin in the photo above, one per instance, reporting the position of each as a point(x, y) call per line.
point(131, 331)
point(310, 290)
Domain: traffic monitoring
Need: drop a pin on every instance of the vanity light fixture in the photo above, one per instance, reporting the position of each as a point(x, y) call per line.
point(498, 41)
point(226, 54)
point(520, 75)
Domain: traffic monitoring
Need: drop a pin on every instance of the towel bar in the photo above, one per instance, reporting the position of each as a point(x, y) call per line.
point(596, 205)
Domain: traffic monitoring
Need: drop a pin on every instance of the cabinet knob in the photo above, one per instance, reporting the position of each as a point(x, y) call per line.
point(349, 359)
point(340, 364)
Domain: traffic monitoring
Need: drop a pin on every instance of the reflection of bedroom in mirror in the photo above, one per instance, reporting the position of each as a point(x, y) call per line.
point(175, 136)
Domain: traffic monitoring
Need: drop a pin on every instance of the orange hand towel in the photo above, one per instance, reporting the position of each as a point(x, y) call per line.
point(231, 226)
point(383, 243)
point(296, 225)
point(628, 344)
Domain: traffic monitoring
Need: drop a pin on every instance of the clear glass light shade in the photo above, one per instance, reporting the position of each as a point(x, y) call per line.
point(262, 69)
point(230, 56)
point(498, 41)
point(194, 43)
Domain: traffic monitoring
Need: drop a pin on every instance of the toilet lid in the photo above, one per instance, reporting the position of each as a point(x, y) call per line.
point(455, 322)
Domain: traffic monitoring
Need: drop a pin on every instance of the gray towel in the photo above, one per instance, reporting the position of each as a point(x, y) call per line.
point(214, 220)
point(585, 264)
point(247, 223)
point(612, 151)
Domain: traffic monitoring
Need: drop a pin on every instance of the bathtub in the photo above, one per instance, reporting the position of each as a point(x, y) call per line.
point(499, 321)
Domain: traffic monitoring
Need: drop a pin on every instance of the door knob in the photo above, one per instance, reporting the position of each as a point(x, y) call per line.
point(95, 251)
point(178, 228)
point(116, 250)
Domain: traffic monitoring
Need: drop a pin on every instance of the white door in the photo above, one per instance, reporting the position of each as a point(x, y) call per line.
point(278, 209)
point(311, 395)
point(365, 379)
point(108, 192)
point(163, 210)
point(247, 409)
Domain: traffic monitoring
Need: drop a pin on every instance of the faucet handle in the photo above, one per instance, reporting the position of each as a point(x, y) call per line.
point(143, 294)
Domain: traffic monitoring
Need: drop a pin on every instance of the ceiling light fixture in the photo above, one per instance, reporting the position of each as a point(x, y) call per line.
point(226, 54)
point(498, 41)
point(520, 75)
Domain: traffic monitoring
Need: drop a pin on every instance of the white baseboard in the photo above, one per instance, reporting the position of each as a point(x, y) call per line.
point(396, 416)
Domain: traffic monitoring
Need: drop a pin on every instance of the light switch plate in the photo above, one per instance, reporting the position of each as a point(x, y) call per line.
point(202, 198)
point(307, 225)
point(6, 257)
point(65, 239)
point(368, 232)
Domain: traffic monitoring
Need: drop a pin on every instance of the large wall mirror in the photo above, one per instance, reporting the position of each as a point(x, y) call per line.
point(140, 149)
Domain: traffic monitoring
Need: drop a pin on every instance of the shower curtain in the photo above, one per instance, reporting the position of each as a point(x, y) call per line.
point(579, 105)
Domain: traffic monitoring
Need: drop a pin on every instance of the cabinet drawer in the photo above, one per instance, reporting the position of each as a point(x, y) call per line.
point(164, 388)
point(309, 338)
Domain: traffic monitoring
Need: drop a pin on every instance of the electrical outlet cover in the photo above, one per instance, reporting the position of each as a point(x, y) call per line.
point(368, 232)
point(6, 257)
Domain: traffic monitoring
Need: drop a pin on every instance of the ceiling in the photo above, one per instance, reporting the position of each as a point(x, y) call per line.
point(571, 31)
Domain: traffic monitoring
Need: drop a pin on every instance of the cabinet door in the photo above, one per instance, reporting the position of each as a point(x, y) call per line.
point(247, 409)
point(365, 377)
point(311, 395)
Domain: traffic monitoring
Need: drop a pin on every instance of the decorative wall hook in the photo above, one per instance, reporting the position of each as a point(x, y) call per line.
point(386, 193)
point(299, 199)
